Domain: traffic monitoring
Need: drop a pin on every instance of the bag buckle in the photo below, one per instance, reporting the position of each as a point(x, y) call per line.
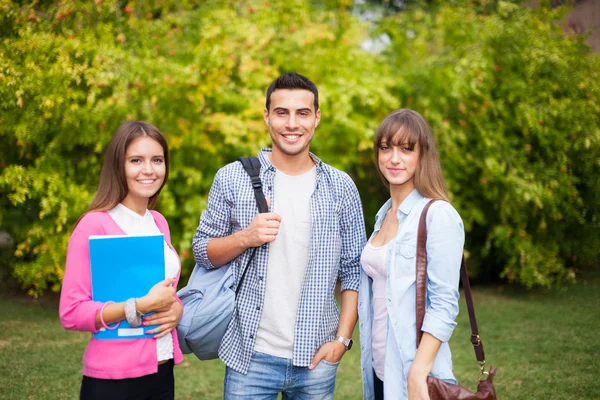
point(483, 374)
point(256, 183)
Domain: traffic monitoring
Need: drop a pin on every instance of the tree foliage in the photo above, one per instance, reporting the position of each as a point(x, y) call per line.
point(513, 102)
point(515, 105)
point(71, 73)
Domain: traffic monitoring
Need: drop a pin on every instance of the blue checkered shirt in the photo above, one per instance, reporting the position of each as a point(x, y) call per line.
point(337, 239)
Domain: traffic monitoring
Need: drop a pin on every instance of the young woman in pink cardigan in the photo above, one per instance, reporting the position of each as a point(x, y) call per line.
point(135, 169)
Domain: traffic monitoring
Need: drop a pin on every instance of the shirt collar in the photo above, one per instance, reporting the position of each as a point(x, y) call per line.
point(131, 222)
point(405, 207)
point(409, 202)
point(265, 162)
point(126, 212)
point(383, 211)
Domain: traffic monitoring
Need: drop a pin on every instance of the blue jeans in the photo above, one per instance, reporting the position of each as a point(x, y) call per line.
point(269, 375)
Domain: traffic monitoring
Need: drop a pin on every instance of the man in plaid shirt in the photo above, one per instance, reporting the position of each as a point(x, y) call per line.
point(288, 336)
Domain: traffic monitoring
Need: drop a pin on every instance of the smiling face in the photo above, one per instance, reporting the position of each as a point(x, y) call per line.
point(144, 172)
point(406, 156)
point(398, 162)
point(292, 120)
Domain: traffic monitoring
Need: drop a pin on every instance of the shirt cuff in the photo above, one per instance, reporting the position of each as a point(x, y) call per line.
point(440, 328)
point(201, 254)
point(350, 284)
point(86, 316)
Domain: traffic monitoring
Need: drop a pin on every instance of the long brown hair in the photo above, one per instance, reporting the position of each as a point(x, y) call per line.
point(112, 188)
point(408, 126)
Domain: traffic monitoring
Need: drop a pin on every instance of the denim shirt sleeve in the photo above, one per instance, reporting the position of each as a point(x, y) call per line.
point(445, 241)
point(215, 222)
point(353, 237)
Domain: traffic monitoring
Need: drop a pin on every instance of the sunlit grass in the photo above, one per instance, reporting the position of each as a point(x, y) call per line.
point(545, 344)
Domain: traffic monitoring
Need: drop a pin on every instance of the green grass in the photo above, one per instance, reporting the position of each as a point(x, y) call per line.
point(546, 345)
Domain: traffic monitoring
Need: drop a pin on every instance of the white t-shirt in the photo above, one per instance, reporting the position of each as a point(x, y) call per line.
point(287, 262)
point(135, 225)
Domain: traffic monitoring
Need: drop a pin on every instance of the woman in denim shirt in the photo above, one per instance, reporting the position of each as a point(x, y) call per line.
point(392, 366)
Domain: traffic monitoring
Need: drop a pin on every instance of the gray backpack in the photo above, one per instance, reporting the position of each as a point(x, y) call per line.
point(209, 297)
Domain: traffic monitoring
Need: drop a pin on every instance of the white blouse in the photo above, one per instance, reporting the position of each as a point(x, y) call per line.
point(134, 224)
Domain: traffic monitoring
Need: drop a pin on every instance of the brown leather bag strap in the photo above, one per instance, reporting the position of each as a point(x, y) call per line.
point(421, 278)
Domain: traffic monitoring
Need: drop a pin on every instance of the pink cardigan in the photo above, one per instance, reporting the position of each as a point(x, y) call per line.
point(104, 359)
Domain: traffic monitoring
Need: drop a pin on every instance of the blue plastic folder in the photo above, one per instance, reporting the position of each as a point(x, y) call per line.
point(123, 267)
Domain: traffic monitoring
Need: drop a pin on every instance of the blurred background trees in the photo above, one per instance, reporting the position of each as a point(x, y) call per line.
point(513, 101)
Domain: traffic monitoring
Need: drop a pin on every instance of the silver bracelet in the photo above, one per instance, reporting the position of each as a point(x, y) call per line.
point(133, 319)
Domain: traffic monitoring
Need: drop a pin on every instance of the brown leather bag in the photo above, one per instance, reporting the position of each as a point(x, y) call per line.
point(438, 389)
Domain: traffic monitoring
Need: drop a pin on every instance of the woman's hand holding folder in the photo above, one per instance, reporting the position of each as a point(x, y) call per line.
point(161, 296)
point(167, 319)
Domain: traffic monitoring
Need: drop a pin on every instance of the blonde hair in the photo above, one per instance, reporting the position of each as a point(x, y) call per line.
point(408, 126)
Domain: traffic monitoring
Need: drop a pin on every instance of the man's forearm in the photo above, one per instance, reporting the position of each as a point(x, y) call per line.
point(348, 314)
point(334, 350)
point(222, 250)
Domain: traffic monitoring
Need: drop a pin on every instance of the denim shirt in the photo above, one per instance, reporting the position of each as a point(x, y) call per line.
point(337, 239)
point(445, 240)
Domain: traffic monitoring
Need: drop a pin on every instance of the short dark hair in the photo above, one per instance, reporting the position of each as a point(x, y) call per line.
point(293, 81)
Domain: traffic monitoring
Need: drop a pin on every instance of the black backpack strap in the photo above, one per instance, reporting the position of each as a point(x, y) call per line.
point(252, 167)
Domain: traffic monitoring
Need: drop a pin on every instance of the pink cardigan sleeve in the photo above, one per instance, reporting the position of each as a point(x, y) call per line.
point(77, 310)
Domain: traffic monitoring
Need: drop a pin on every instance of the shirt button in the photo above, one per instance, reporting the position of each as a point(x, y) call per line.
point(270, 187)
point(389, 300)
point(361, 325)
point(264, 246)
point(258, 308)
point(260, 278)
point(251, 336)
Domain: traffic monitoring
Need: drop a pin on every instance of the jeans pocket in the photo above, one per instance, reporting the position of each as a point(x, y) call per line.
point(329, 363)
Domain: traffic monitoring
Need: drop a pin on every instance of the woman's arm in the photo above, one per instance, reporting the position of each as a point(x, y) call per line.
point(421, 367)
point(77, 310)
point(161, 296)
point(445, 241)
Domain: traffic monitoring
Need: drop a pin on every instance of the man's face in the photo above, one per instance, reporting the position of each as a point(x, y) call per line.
point(292, 120)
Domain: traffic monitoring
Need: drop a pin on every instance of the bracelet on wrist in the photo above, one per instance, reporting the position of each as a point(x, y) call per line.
point(131, 315)
point(110, 328)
